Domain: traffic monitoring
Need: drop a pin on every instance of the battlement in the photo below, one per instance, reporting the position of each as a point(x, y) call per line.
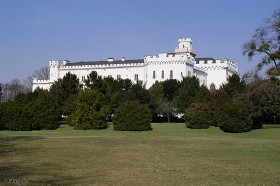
point(185, 40)
point(102, 64)
point(167, 57)
point(212, 64)
point(35, 80)
point(185, 47)
point(231, 63)
point(43, 84)
point(54, 63)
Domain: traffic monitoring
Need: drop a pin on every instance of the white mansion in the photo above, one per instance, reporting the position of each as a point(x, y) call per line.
point(210, 72)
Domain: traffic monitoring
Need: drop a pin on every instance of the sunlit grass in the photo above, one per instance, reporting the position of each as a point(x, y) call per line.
point(170, 154)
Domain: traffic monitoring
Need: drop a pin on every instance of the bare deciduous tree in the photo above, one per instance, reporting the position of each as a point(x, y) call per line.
point(42, 74)
point(11, 89)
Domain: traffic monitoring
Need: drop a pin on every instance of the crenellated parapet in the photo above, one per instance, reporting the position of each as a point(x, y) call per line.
point(99, 66)
point(231, 65)
point(169, 58)
point(54, 63)
point(212, 64)
point(40, 81)
point(185, 47)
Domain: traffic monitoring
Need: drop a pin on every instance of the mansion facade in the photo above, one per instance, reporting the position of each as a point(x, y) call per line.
point(182, 63)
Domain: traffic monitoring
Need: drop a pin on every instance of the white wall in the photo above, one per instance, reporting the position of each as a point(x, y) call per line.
point(217, 71)
point(54, 70)
point(181, 65)
point(201, 75)
point(126, 71)
point(43, 84)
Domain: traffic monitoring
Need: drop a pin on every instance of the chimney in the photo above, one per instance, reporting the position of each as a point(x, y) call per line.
point(110, 59)
point(65, 62)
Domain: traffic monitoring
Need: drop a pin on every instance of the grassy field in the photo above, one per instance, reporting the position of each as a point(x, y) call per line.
point(170, 154)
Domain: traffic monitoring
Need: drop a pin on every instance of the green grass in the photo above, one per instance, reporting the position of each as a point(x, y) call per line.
point(170, 154)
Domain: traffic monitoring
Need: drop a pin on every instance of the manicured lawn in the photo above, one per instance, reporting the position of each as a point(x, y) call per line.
point(170, 154)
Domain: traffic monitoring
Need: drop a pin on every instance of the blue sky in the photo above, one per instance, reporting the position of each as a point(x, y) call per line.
point(32, 32)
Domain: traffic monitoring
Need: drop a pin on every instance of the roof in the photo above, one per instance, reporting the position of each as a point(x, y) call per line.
point(104, 62)
point(205, 59)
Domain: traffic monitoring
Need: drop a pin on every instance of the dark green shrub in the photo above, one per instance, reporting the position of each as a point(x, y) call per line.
point(132, 116)
point(257, 122)
point(16, 116)
point(46, 112)
point(91, 111)
point(90, 119)
point(198, 116)
point(233, 117)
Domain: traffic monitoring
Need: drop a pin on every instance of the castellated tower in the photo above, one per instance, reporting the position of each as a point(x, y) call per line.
point(185, 47)
point(54, 66)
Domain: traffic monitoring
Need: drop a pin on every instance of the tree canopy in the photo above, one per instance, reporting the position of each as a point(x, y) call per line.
point(266, 42)
point(233, 107)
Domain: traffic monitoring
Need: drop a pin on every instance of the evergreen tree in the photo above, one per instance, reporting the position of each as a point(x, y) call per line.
point(64, 88)
point(132, 116)
point(92, 110)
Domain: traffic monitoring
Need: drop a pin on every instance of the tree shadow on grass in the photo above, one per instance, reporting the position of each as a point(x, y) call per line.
point(15, 169)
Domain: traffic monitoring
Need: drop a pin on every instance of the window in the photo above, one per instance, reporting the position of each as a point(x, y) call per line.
point(171, 74)
point(189, 74)
point(205, 62)
point(197, 62)
point(119, 76)
point(135, 77)
point(162, 74)
point(212, 87)
point(154, 74)
point(83, 78)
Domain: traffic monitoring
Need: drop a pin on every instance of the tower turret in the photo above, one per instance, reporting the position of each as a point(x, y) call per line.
point(54, 70)
point(185, 47)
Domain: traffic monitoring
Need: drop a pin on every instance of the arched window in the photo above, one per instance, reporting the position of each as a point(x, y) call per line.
point(135, 77)
point(171, 74)
point(212, 87)
point(162, 74)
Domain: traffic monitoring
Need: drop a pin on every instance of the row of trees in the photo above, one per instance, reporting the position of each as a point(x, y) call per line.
point(235, 107)
point(85, 108)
